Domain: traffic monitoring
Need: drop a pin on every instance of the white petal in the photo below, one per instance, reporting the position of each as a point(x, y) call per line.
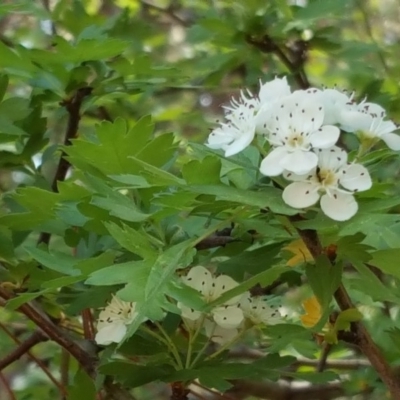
point(332, 159)
point(228, 317)
point(290, 176)
point(372, 109)
point(339, 206)
point(241, 142)
point(392, 140)
point(300, 194)
point(112, 332)
point(218, 334)
point(355, 177)
point(386, 127)
point(263, 119)
point(325, 137)
point(200, 279)
point(270, 166)
point(273, 90)
point(222, 284)
point(352, 121)
point(299, 162)
point(189, 313)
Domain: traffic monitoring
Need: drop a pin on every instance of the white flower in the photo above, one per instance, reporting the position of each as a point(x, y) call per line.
point(334, 102)
point(237, 133)
point(269, 95)
point(113, 320)
point(228, 315)
point(273, 90)
point(333, 180)
point(368, 119)
point(296, 128)
point(259, 310)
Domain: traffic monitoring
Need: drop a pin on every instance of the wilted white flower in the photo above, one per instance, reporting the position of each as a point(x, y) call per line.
point(228, 315)
point(219, 335)
point(113, 321)
point(333, 180)
point(295, 129)
point(258, 310)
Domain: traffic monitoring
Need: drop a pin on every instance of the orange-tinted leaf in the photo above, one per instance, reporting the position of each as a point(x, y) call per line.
point(299, 251)
point(312, 312)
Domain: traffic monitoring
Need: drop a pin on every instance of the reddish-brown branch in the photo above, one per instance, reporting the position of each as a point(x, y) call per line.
point(86, 360)
point(362, 337)
point(87, 322)
point(24, 347)
point(73, 107)
point(369, 348)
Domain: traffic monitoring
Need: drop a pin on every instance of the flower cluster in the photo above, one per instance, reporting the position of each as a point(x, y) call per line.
point(303, 128)
point(224, 322)
point(113, 321)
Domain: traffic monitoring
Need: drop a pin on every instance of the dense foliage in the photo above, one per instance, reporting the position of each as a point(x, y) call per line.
point(199, 199)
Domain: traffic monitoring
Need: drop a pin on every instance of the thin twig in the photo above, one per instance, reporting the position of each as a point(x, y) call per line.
point(166, 11)
point(36, 360)
point(322, 362)
point(24, 347)
point(7, 387)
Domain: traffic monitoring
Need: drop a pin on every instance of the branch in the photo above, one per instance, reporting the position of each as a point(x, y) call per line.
point(39, 362)
point(214, 241)
point(73, 107)
point(267, 45)
point(362, 337)
point(217, 239)
point(84, 358)
point(24, 347)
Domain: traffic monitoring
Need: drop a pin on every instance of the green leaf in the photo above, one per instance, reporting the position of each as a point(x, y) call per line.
point(116, 143)
point(23, 298)
point(56, 261)
point(345, 318)
point(387, 261)
point(3, 85)
point(39, 205)
point(268, 197)
point(368, 283)
point(132, 240)
point(324, 278)
point(178, 256)
point(206, 171)
point(263, 278)
point(131, 271)
point(83, 387)
point(134, 375)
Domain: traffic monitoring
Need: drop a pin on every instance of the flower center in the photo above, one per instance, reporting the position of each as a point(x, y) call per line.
point(327, 178)
point(295, 141)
